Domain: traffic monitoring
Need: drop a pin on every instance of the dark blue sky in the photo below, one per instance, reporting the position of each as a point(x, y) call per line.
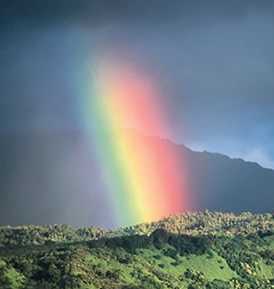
point(213, 60)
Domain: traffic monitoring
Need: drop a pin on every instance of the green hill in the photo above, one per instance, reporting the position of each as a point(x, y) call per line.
point(192, 251)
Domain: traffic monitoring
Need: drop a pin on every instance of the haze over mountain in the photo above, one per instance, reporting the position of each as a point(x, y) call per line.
point(53, 178)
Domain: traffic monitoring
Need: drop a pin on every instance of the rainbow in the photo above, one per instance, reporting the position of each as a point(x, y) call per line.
point(143, 177)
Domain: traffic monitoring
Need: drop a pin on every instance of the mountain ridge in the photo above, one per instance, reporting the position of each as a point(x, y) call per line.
point(58, 173)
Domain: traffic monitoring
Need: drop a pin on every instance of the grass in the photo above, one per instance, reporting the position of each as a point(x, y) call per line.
point(211, 265)
point(152, 263)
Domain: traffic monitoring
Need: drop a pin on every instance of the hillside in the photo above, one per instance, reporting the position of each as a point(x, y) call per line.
point(53, 179)
point(189, 251)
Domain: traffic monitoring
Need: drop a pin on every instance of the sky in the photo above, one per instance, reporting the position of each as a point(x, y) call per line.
point(213, 62)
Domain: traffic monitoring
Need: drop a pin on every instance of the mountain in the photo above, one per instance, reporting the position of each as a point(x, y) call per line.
point(189, 251)
point(52, 178)
point(221, 183)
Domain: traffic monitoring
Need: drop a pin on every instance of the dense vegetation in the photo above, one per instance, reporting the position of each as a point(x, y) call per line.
point(190, 251)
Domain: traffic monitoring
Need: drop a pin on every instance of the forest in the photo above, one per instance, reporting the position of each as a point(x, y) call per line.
point(190, 251)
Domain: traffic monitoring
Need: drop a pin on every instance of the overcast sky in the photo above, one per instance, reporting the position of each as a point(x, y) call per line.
point(212, 60)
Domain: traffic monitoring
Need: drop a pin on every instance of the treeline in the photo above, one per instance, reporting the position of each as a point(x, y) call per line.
point(199, 223)
point(208, 223)
point(42, 235)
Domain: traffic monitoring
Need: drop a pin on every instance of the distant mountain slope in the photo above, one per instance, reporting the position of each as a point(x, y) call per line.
point(222, 183)
point(53, 178)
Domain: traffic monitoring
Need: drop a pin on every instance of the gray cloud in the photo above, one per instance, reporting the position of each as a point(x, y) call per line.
point(148, 11)
point(212, 60)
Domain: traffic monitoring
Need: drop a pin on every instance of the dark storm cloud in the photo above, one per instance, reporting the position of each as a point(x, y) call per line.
point(214, 58)
point(99, 11)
